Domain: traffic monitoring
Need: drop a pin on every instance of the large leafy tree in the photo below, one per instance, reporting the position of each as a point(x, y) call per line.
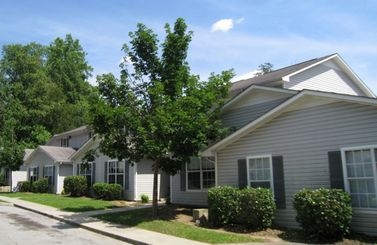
point(35, 100)
point(157, 110)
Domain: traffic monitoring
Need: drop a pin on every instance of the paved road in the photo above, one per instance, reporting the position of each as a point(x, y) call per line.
point(19, 226)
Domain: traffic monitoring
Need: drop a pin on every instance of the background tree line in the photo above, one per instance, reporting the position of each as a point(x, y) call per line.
point(44, 90)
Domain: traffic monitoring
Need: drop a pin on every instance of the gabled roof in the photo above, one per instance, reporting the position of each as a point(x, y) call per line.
point(273, 113)
point(57, 154)
point(90, 144)
point(27, 153)
point(276, 77)
point(74, 131)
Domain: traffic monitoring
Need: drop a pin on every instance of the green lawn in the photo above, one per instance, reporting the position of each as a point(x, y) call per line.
point(142, 219)
point(65, 203)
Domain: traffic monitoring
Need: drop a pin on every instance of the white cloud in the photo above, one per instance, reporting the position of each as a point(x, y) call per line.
point(225, 25)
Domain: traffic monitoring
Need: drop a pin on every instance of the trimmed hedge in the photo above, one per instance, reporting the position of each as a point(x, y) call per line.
point(252, 207)
point(40, 186)
point(75, 185)
point(107, 191)
point(24, 186)
point(257, 207)
point(223, 205)
point(323, 213)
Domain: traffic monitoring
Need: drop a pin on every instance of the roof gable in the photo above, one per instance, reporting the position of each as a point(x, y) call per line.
point(293, 103)
point(57, 154)
point(278, 77)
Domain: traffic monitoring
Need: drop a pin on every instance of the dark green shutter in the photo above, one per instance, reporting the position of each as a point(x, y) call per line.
point(37, 173)
point(279, 186)
point(336, 170)
point(105, 172)
point(78, 169)
point(242, 173)
point(93, 173)
point(183, 177)
point(53, 175)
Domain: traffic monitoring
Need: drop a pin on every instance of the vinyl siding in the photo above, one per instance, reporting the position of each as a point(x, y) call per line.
point(145, 179)
point(303, 138)
point(196, 198)
point(41, 160)
point(325, 77)
point(240, 116)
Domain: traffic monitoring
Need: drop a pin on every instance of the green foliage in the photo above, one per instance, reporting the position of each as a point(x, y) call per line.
point(252, 207)
point(224, 204)
point(75, 185)
point(40, 186)
point(264, 68)
point(323, 213)
point(257, 207)
point(24, 186)
point(2, 179)
point(107, 191)
point(157, 109)
point(144, 198)
point(43, 91)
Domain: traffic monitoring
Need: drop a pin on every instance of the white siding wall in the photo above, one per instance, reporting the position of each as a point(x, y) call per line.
point(303, 138)
point(144, 179)
point(64, 170)
point(324, 77)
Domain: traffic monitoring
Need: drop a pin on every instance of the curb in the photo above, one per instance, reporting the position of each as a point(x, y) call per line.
point(77, 224)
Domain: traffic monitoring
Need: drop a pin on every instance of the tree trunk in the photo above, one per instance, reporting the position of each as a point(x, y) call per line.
point(155, 187)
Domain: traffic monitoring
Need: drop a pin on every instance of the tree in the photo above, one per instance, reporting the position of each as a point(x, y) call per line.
point(43, 91)
point(157, 110)
point(264, 68)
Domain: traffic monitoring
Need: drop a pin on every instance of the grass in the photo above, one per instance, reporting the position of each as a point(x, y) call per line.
point(65, 203)
point(142, 218)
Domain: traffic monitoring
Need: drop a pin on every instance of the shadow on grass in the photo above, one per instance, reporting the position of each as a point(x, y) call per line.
point(179, 213)
point(85, 208)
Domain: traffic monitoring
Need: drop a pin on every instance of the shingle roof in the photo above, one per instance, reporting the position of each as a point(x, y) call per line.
point(272, 76)
point(58, 153)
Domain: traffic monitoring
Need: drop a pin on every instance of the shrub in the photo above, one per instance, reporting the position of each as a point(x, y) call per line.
point(114, 191)
point(107, 191)
point(223, 202)
point(75, 185)
point(144, 198)
point(2, 180)
point(40, 186)
point(323, 213)
point(24, 186)
point(257, 207)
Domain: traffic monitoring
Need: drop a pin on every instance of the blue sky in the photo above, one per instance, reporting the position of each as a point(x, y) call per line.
point(239, 34)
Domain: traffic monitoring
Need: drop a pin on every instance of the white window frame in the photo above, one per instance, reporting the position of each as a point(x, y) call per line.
point(64, 142)
point(116, 174)
point(52, 173)
point(201, 176)
point(269, 156)
point(30, 170)
point(373, 149)
point(86, 173)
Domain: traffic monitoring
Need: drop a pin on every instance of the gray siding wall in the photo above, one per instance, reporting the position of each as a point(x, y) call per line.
point(325, 77)
point(197, 198)
point(303, 138)
point(41, 160)
point(240, 116)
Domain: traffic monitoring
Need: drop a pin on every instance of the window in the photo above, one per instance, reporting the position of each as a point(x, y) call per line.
point(86, 170)
point(33, 174)
point(200, 173)
point(64, 142)
point(359, 168)
point(259, 170)
point(48, 172)
point(115, 172)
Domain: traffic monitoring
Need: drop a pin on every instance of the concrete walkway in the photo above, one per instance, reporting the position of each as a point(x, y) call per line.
point(84, 220)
